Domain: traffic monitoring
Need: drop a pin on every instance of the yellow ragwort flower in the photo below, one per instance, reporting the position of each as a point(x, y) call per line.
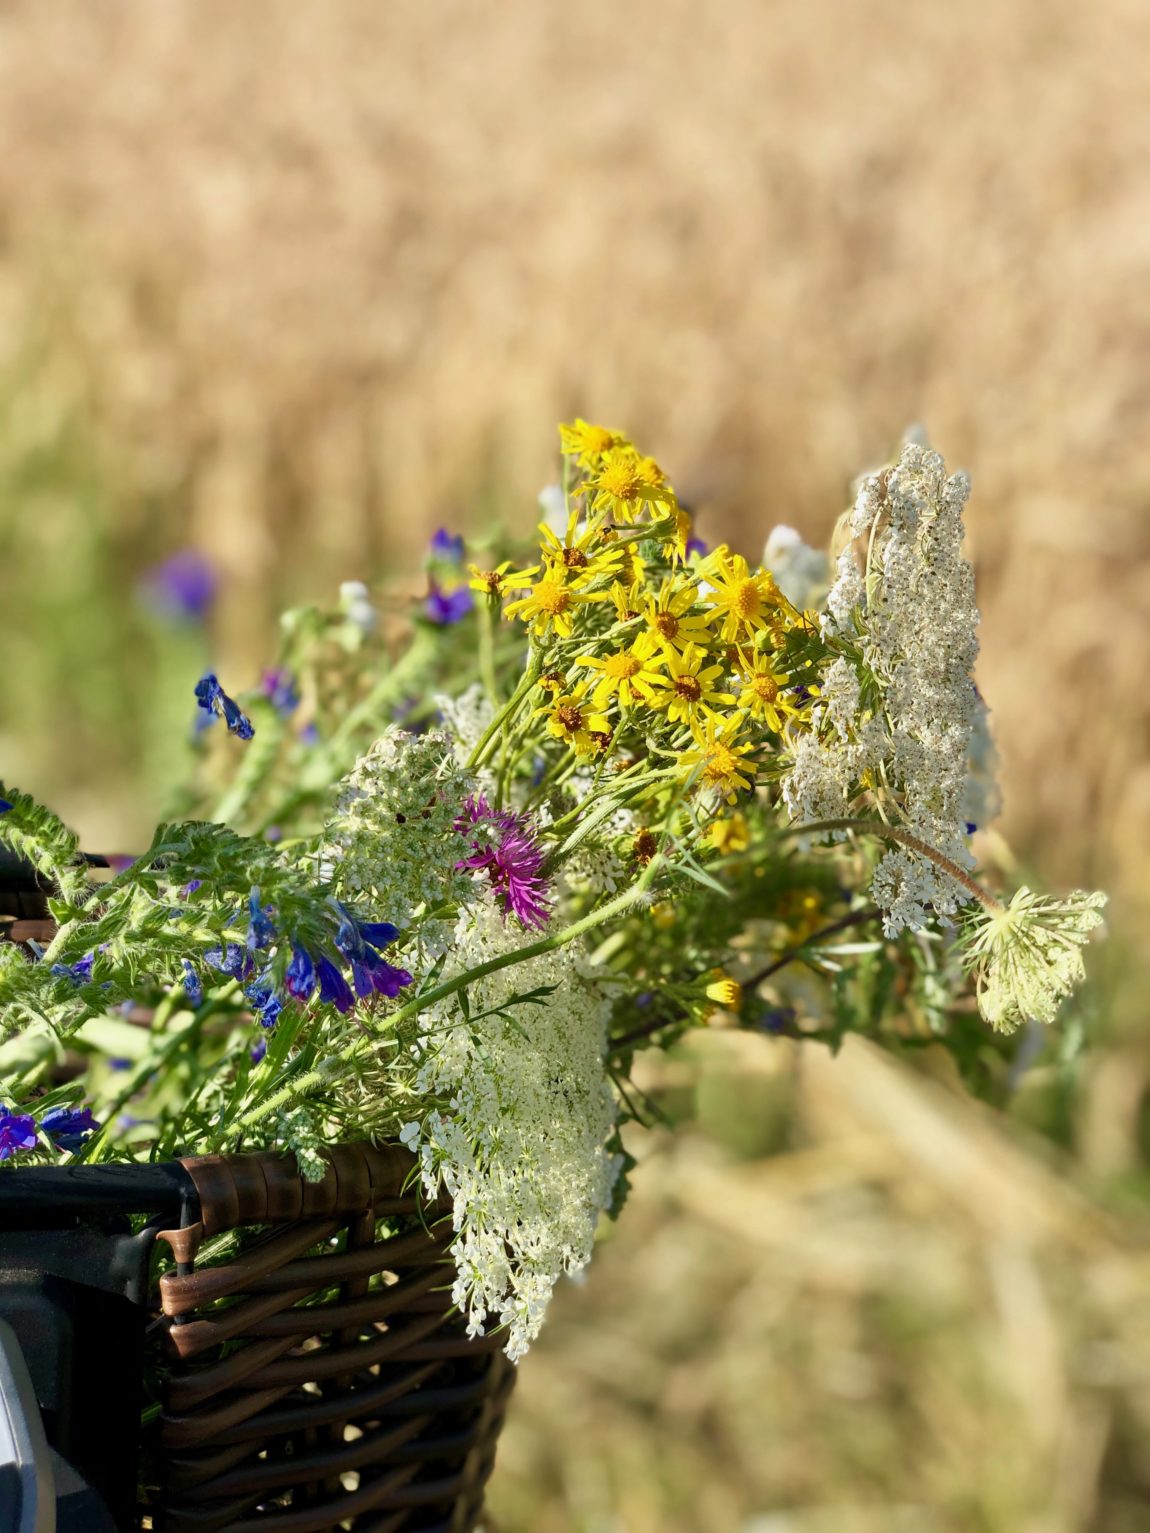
point(719, 758)
point(579, 556)
point(631, 675)
point(622, 486)
point(587, 443)
point(741, 601)
point(724, 991)
point(497, 582)
point(688, 691)
point(572, 719)
point(731, 835)
point(762, 696)
point(675, 547)
point(669, 616)
point(553, 602)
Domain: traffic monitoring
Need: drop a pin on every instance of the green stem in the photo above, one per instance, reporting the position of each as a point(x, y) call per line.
point(494, 729)
point(154, 1064)
point(904, 838)
point(487, 619)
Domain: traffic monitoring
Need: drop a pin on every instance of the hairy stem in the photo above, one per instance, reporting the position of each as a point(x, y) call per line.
point(907, 839)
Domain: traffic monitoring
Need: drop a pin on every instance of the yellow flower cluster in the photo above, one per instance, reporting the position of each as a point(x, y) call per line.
point(646, 638)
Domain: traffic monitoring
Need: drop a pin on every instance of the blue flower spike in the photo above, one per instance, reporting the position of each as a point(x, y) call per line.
point(261, 928)
point(193, 989)
point(213, 699)
point(299, 978)
point(447, 607)
point(68, 1127)
point(446, 547)
point(17, 1132)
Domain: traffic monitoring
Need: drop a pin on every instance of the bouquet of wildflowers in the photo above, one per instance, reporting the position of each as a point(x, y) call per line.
point(454, 863)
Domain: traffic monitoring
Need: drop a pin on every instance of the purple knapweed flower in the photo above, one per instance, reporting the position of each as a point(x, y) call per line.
point(261, 928)
point(17, 1132)
point(446, 546)
point(510, 855)
point(68, 1127)
point(183, 587)
point(213, 699)
point(278, 685)
point(447, 607)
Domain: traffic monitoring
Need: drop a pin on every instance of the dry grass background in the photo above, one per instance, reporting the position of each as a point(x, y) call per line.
point(296, 282)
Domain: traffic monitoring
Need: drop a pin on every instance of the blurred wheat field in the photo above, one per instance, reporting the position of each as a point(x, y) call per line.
point(295, 284)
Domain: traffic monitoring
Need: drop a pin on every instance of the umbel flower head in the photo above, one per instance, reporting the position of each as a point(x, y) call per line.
point(1027, 956)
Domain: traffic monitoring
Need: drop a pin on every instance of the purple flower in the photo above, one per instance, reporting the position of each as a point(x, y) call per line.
point(309, 734)
point(258, 1049)
point(213, 699)
point(447, 607)
point(190, 888)
point(17, 1132)
point(265, 1002)
point(79, 973)
point(5, 806)
point(332, 985)
point(192, 986)
point(299, 978)
point(510, 855)
point(696, 546)
point(182, 587)
point(279, 687)
point(447, 547)
point(231, 960)
point(261, 928)
point(372, 973)
point(68, 1127)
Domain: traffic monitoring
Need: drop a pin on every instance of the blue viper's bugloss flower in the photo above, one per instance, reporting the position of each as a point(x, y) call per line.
point(231, 960)
point(447, 547)
point(332, 985)
point(265, 1002)
point(17, 1132)
point(696, 546)
point(68, 1127)
point(182, 587)
point(373, 974)
point(5, 806)
point(278, 685)
point(79, 973)
point(447, 607)
point(309, 734)
point(258, 1049)
point(299, 978)
point(192, 987)
point(213, 699)
point(261, 928)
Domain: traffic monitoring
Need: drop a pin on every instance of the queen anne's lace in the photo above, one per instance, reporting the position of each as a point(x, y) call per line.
point(392, 838)
point(912, 613)
point(519, 1139)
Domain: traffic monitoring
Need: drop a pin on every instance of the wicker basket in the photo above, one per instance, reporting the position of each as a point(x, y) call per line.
point(318, 1379)
point(315, 1376)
